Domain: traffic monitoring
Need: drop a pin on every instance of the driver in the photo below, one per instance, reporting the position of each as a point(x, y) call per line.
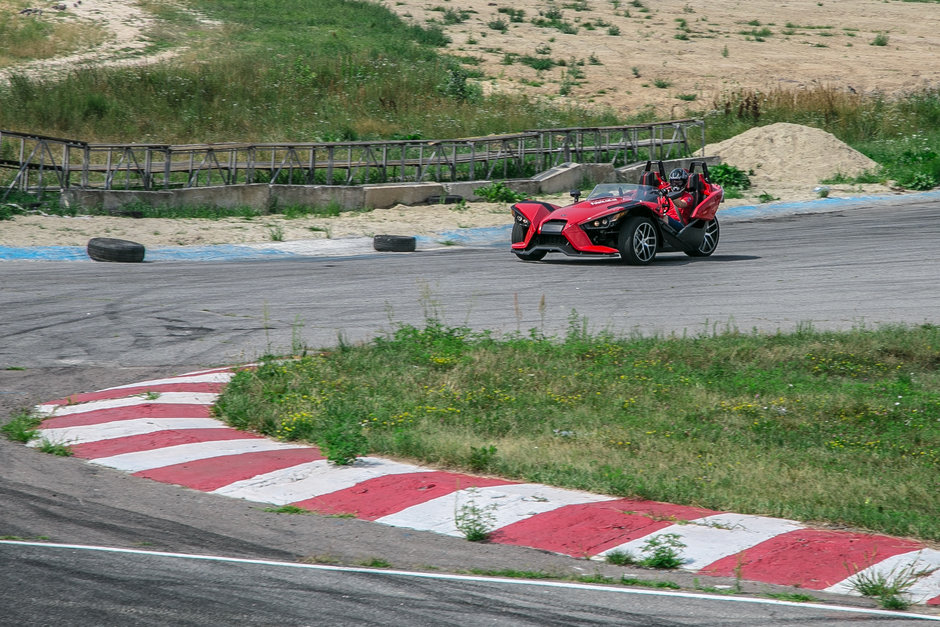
point(680, 204)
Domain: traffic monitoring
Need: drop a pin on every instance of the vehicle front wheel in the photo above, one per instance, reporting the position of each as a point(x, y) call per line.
point(638, 241)
point(710, 243)
point(518, 235)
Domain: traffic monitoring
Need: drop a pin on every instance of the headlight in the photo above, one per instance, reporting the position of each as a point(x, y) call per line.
point(606, 221)
point(521, 220)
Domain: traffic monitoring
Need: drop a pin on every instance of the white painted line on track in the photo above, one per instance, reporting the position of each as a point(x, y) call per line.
point(924, 588)
point(122, 428)
point(711, 538)
point(507, 503)
point(474, 578)
point(164, 398)
point(210, 377)
point(181, 453)
point(305, 481)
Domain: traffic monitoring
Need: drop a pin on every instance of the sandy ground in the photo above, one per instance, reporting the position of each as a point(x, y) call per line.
point(701, 50)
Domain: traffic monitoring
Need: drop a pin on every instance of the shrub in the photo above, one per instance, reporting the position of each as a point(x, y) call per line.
point(919, 181)
point(729, 176)
point(498, 24)
point(498, 192)
point(9, 210)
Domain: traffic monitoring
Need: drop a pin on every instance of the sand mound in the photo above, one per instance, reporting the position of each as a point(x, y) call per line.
point(791, 153)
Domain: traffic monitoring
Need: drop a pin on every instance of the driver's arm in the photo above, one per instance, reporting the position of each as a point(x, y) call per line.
point(680, 198)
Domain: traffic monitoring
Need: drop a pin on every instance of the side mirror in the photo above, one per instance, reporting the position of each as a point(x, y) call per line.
point(575, 194)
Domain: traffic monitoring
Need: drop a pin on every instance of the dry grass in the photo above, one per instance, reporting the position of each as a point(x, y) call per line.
point(25, 38)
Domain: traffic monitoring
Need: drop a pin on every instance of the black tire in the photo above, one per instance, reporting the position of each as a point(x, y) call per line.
point(447, 199)
point(394, 243)
point(710, 243)
point(518, 235)
point(110, 249)
point(638, 241)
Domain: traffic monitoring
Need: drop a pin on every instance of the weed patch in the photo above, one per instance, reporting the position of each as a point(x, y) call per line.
point(473, 520)
point(286, 509)
point(889, 587)
point(54, 448)
point(662, 551)
point(22, 427)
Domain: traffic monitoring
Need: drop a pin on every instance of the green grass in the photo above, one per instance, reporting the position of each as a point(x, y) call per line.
point(21, 427)
point(370, 74)
point(838, 427)
point(791, 597)
point(54, 448)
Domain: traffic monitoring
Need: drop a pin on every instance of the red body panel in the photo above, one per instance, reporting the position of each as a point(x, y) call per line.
point(592, 226)
point(707, 209)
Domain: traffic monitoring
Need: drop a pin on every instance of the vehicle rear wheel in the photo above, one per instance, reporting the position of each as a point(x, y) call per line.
point(638, 241)
point(710, 243)
point(518, 235)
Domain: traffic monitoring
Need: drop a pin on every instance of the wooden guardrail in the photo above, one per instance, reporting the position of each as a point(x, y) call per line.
point(36, 164)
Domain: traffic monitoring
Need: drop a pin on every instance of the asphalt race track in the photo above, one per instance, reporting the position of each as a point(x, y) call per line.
point(69, 327)
point(832, 270)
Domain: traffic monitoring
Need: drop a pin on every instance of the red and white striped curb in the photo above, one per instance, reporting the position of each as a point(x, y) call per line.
point(163, 430)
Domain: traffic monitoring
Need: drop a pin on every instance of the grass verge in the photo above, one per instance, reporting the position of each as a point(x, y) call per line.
point(813, 426)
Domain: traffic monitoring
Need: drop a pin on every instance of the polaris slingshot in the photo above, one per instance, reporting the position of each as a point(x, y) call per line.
point(633, 221)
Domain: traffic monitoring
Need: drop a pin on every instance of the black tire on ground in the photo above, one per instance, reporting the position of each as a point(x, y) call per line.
point(710, 243)
point(394, 243)
point(110, 249)
point(446, 199)
point(638, 241)
point(518, 235)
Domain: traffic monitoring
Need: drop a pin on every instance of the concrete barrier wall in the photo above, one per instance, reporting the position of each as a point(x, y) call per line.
point(223, 196)
point(391, 194)
point(346, 198)
point(559, 179)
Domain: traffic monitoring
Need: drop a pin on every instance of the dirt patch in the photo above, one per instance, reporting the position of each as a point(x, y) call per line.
point(668, 55)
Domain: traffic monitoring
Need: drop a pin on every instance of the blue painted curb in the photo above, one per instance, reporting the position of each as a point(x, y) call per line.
point(820, 205)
